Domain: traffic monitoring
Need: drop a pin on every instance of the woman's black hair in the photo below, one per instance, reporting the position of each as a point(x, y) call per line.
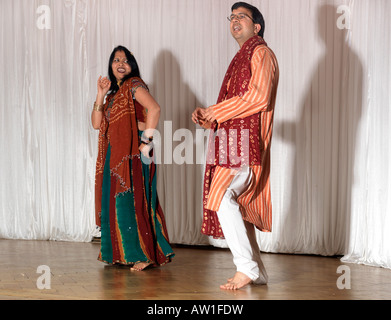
point(257, 15)
point(132, 63)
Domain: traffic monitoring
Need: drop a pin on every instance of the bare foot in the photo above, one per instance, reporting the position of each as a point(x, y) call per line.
point(239, 281)
point(260, 280)
point(140, 266)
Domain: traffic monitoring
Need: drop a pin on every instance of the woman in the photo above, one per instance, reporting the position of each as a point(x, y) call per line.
point(133, 229)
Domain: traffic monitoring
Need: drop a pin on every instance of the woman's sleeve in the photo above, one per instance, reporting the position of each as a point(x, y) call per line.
point(136, 83)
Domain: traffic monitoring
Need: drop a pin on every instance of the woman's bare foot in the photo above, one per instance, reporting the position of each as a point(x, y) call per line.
point(239, 281)
point(140, 266)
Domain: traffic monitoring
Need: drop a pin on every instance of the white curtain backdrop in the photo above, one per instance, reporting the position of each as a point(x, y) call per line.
point(331, 155)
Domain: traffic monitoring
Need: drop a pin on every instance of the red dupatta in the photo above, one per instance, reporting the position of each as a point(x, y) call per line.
point(122, 135)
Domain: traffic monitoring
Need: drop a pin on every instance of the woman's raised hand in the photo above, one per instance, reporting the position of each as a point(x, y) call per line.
point(104, 85)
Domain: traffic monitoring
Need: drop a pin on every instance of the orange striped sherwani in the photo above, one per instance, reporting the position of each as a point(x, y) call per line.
point(259, 101)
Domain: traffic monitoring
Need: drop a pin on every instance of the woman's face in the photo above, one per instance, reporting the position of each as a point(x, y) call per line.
point(120, 65)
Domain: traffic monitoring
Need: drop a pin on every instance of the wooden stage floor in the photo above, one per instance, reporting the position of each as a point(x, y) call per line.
point(194, 274)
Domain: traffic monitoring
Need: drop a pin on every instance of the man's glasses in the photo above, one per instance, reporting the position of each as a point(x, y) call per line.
point(239, 16)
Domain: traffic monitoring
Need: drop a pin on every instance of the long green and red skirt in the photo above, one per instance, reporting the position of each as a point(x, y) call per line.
point(132, 224)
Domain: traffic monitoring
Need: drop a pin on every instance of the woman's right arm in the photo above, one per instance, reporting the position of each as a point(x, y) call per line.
point(97, 113)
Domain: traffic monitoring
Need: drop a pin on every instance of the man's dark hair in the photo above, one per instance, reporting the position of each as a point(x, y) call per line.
point(256, 15)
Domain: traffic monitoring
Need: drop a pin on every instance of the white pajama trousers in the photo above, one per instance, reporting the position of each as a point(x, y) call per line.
point(239, 234)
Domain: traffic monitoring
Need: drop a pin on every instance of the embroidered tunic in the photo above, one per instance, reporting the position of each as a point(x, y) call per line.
point(244, 114)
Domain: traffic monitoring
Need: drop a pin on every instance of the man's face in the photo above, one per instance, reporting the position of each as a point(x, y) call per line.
point(242, 26)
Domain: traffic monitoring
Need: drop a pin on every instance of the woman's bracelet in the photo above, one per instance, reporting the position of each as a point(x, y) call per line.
point(150, 144)
point(98, 107)
point(146, 140)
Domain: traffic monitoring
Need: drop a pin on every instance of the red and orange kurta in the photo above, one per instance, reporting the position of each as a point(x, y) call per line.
point(244, 114)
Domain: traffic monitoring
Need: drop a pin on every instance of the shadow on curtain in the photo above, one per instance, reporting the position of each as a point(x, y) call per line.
point(324, 138)
point(181, 199)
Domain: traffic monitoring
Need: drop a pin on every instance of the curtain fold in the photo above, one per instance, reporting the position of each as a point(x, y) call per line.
point(330, 175)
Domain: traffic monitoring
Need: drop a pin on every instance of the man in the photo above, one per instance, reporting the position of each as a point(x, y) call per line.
point(237, 193)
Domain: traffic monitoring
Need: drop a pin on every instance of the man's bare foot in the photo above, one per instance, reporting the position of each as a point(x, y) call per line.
point(140, 266)
point(258, 281)
point(239, 281)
